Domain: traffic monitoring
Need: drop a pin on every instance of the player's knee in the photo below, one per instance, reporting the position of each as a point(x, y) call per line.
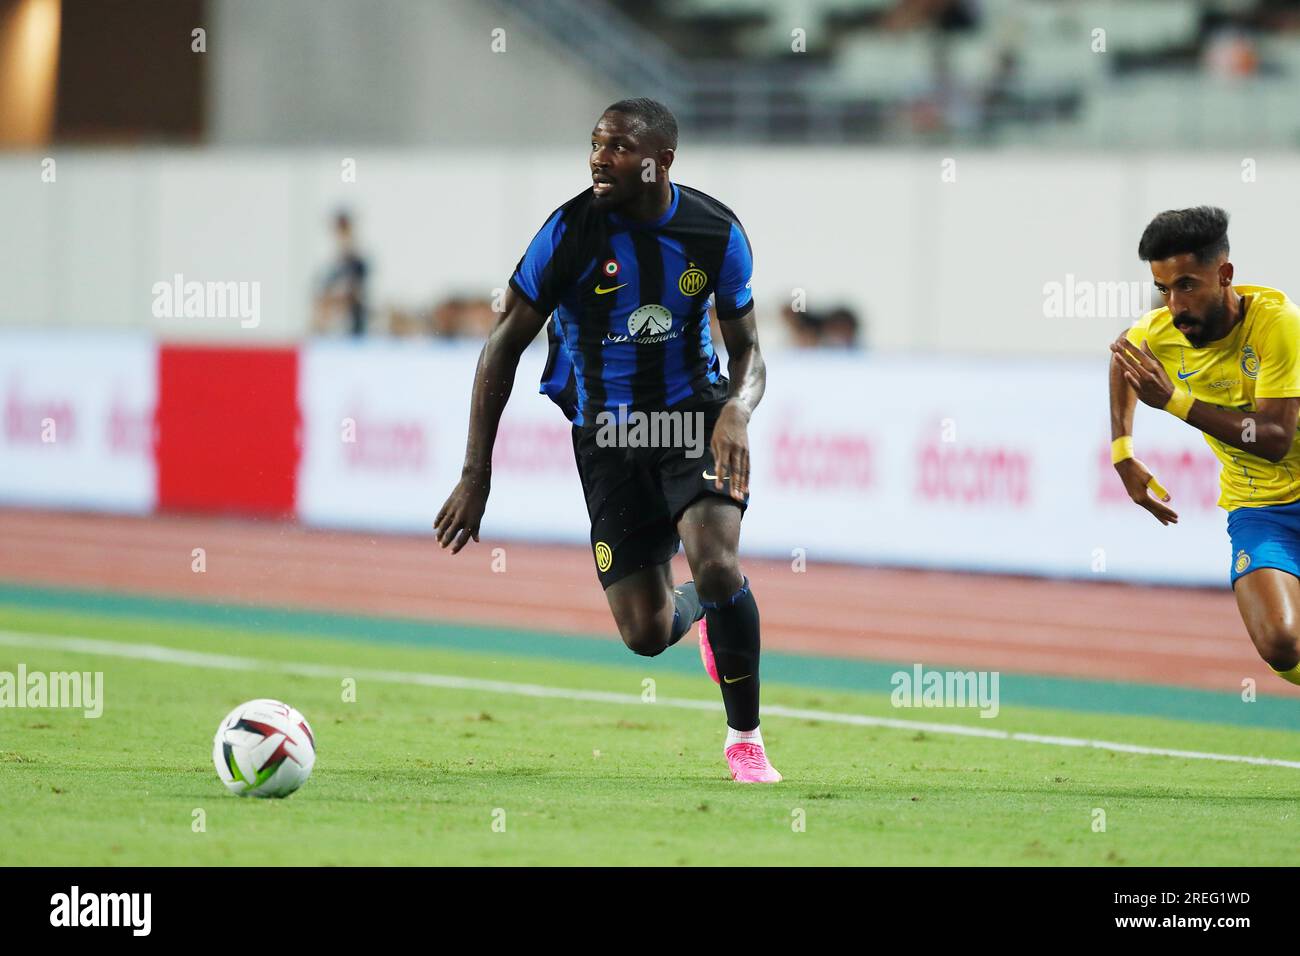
point(718, 577)
point(1281, 655)
point(644, 640)
point(646, 645)
point(1279, 647)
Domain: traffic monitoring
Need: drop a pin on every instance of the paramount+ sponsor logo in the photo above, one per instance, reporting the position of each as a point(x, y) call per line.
point(647, 325)
point(78, 909)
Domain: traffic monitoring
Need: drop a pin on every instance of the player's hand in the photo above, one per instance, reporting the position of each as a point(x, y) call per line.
point(730, 447)
point(1143, 371)
point(459, 518)
point(1137, 482)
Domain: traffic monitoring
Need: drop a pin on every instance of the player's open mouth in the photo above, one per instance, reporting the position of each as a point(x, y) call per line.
point(600, 186)
point(1186, 327)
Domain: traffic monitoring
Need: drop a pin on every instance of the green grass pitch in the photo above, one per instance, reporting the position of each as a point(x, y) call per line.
point(419, 775)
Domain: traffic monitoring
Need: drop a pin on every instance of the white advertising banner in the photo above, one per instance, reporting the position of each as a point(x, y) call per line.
point(78, 420)
point(974, 464)
point(384, 426)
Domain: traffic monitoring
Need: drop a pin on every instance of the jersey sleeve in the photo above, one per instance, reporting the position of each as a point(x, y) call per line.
point(1279, 371)
point(733, 295)
point(1137, 333)
point(540, 278)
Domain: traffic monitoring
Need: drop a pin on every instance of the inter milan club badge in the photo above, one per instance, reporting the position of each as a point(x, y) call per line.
point(692, 280)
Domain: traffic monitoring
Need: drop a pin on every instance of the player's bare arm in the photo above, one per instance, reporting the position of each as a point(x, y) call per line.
point(459, 518)
point(748, 374)
point(1268, 431)
point(1138, 481)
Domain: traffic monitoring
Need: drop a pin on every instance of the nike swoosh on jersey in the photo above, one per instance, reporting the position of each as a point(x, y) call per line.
point(600, 291)
point(1188, 375)
point(708, 477)
point(734, 680)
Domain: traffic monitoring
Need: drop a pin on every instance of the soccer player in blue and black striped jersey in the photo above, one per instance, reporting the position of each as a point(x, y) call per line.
point(626, 272)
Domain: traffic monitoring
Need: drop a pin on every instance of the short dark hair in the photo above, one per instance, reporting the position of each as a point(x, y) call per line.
point(1201, 230)
point(652, 116)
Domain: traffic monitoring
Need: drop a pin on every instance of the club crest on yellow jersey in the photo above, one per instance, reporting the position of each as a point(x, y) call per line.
point(1249, 361)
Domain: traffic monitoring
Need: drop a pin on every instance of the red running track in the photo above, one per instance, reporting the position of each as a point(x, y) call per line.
point(1028, 625)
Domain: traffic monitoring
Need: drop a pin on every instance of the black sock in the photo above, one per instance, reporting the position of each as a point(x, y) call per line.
point(733, 635)
point(687, 611)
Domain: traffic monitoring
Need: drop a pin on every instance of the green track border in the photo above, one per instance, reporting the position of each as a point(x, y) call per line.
point(1016, 690)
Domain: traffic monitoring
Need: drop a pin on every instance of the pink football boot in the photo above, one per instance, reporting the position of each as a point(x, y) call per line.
point(706, 653)
point(748, 763)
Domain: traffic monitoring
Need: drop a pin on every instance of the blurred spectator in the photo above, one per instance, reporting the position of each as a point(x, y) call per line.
point(342, 295)
point(949, 104)
point(472, 317)
point(802, 328)
point(1278, 15)
point(946, 15)
point(445, 319)
point(478, 319)
point(840, 329)
point(462, 317)
point(1229, 54)
point(998, 100)
point(406, 323)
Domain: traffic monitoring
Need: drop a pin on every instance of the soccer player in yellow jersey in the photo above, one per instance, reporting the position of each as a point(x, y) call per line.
point(1226, 360)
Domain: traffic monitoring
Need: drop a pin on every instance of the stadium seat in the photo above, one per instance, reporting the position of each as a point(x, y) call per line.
point(1147, 27)
point(884, 65)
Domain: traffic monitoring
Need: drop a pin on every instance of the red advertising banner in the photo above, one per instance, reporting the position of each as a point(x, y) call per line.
point(227, 430)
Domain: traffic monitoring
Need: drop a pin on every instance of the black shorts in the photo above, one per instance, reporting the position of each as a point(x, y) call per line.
point(636, 494)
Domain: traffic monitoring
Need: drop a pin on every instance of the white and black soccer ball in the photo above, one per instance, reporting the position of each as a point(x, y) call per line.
point(264, 748)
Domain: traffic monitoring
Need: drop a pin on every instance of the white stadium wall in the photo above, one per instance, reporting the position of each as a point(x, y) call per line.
point(963, 266)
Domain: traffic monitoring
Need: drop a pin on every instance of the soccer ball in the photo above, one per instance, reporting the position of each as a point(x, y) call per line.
point(264, 749)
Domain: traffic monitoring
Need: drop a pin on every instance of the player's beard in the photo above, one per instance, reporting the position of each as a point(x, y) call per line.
point(612, 200)
point(1209, 327)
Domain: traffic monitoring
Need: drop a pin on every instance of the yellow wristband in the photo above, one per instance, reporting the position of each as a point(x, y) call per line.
point(1180, 403)
point(1121, 449)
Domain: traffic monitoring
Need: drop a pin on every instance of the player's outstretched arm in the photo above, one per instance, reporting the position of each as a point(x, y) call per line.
point(1268, 431)
point(459, 518)
point(748, 374)
point(1140, 484)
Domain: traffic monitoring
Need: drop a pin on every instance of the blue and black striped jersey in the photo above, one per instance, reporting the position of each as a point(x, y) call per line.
point(628, 302)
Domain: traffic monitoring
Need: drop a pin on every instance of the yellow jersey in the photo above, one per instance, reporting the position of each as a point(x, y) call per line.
point(1259, 358)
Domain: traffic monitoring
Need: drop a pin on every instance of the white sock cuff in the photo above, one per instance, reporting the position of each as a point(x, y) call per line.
point(743, 737)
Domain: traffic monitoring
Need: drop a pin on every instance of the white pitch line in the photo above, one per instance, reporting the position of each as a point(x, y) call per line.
point(170, 655)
